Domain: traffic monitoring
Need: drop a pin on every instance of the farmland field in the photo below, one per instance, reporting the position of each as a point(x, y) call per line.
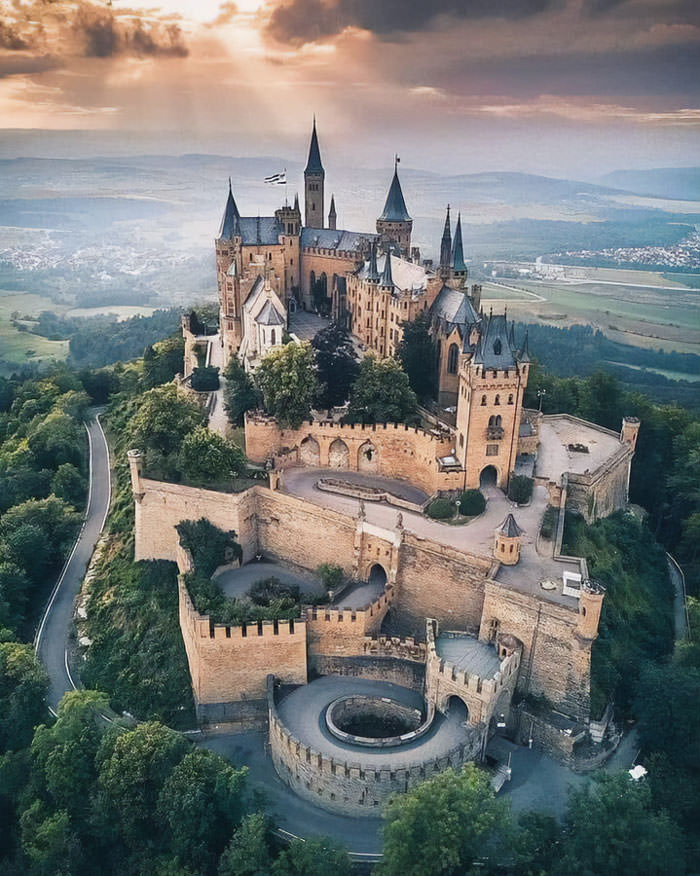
point(16, 347)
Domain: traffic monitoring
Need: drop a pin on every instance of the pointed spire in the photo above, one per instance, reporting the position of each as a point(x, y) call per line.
point(457, 248)
point(373, 272)
point(296, 201)
point(509, 528)
point(332, 210)
point(387, 279)
point(446, 243)
point(395, 206)
point(313, 165)
point(332, 217)
point(524, 355)
point(229, 222)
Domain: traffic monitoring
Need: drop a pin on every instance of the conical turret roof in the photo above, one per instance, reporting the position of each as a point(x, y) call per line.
point(313, 165)
point(509, 528)
point(230, 220)
point(387, 279)
point(373, 273)
point(457, 248)
point(395, 206)
point(446, 242)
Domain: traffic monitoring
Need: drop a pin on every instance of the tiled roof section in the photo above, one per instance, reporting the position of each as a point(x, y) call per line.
point(395, 206)
point(404, 275)
point(269, 315)
point(230, 218)
point(494, 349)
point(509, 528)
point(341, 241)
point(255, 288)
point(262, 230)
point(313, 165)
point(457, 247)
point(453, 307)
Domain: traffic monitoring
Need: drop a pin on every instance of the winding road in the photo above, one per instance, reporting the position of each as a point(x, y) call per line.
point(52, 638)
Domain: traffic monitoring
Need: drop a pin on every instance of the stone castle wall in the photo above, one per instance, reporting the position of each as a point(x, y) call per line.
point(397, 451)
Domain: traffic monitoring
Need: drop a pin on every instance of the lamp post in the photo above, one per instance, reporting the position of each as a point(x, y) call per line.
point(458, 503)
point(540, 394)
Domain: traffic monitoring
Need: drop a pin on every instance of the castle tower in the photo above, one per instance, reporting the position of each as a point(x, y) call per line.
point(386, 280)
point(492, 382)
point(507, 542)
point(630, 431)
point(228, 270)
point(314, 176)
point(459, 268)
point(590, 605)
point(135, 458)
point(446, 248)
point(395, 225)
point(332, 218)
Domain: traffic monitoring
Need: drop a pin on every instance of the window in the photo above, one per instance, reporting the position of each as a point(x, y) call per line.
point(492, 449)
point(483, 401)
point(452, 359)
point(273, 337)
point(510, 399)
point(461, 440)
point(497, 347)
point(497, 400)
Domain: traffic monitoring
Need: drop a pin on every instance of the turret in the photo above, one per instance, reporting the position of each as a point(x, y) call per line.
point(395, 225)
point(459, 268)
point(373, 273)
point(446, 248)
point(507, 542)
point(590, 605)
point(630, 431)
point(135, 458)
point(332, 218)
point(386, 279)
point(230, 221)
point(475, 295)
point(314, 177)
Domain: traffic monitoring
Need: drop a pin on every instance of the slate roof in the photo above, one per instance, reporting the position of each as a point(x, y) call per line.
point(446, 241)
point(339, 240)
point(230, 218)
point(454, 307)
point(313, 165)
point(457, 247)
point(395, 206)
point(509, 528)
point(494, 349)
point(269, 315)
point(255, 287)
point(262, 230)
point(403, 275)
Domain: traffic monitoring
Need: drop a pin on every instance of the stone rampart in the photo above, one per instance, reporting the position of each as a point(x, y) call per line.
point(349, 786)
point(391, 449)
point(338, 632)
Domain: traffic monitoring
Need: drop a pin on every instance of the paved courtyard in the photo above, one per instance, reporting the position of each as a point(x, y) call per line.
point(305, 324)
point(237, 582)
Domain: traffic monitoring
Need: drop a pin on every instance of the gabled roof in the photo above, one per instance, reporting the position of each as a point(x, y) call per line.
point(509, 528)
point(261, 230)
point(405, 275)
point(269, 315)
point(494, 349)
point(457, 247)
point(313, 165)
point(453, 307)
point(229, 220)
point(339, 240)
point(255, 288)
point(395, 206)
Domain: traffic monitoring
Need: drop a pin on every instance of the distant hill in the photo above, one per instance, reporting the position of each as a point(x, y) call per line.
point(681, 183)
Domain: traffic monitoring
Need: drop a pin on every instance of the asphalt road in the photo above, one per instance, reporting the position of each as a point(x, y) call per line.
point(51, 641)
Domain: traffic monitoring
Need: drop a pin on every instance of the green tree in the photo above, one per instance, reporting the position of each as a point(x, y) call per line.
point(163, 417)
point(443, 825)
point(14, 593)
point(240, 393)
point(28, 547)
point(56, 440)
point(248, 853)
point(162, 361)
point(205, 379)
point(23, 687)
point(287, 380)
point(381, 393)
point(207, 456)
point(536, 844)
point(201, 802)
point(48, 841)
point(313, 857)
point(68, 484)
point(336, 365)
point(417, 354)
point(610, 827)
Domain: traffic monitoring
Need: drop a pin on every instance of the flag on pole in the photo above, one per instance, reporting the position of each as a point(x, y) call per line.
point(277, 179)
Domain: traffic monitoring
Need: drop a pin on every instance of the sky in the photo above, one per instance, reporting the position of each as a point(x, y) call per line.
point(561, 87)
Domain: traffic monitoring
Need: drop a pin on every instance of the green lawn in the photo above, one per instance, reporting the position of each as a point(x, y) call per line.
point(16, 347)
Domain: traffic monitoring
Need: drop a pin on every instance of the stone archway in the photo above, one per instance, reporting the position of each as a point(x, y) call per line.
point(377, 575)
point(488, 476)
point(456, 708)
point(338, 454)
point(367, 457)
point(309, 452)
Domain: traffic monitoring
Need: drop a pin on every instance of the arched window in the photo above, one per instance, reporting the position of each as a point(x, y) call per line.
point(273, 337)
point(483, 401)
point(510, 399)
point(492, 420)
point(497, 346)
point(452, 358)
point(498, 420)
point(497, 400)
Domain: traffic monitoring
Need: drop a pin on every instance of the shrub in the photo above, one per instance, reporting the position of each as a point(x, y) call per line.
point(210, 546)
point(440, 509)
point(269, 590)
point(520, 489)
point(549, 521)
point(205, 379)
point(472, 502)
point(331, 575)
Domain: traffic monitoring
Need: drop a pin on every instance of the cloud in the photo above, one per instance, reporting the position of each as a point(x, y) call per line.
point(22, 64)
point(301, 21)
point(657, 11)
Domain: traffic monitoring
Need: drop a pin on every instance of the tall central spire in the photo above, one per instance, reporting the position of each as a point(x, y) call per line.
point(458, 264)
point(314, 176)
point(446, 243)
point(314, 165)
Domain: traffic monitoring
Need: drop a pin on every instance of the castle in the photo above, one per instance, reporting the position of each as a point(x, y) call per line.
point(454, 634)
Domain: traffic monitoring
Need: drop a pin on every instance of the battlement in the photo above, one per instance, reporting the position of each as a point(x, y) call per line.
point(401, 649)
point(359, 616)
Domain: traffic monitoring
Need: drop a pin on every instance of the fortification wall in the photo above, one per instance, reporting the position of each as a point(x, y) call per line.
point(230, 664)
point(396, 450)
point(555, 662)
point(342, 632)
point(437, 581)
point(163, 505)
point(603, 491)
point(480, 695)
point(399, 661)
point(349, 787)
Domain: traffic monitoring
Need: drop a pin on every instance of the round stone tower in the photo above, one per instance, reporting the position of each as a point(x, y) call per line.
point(630, 431)
point(590, 605)
point(508, 538)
